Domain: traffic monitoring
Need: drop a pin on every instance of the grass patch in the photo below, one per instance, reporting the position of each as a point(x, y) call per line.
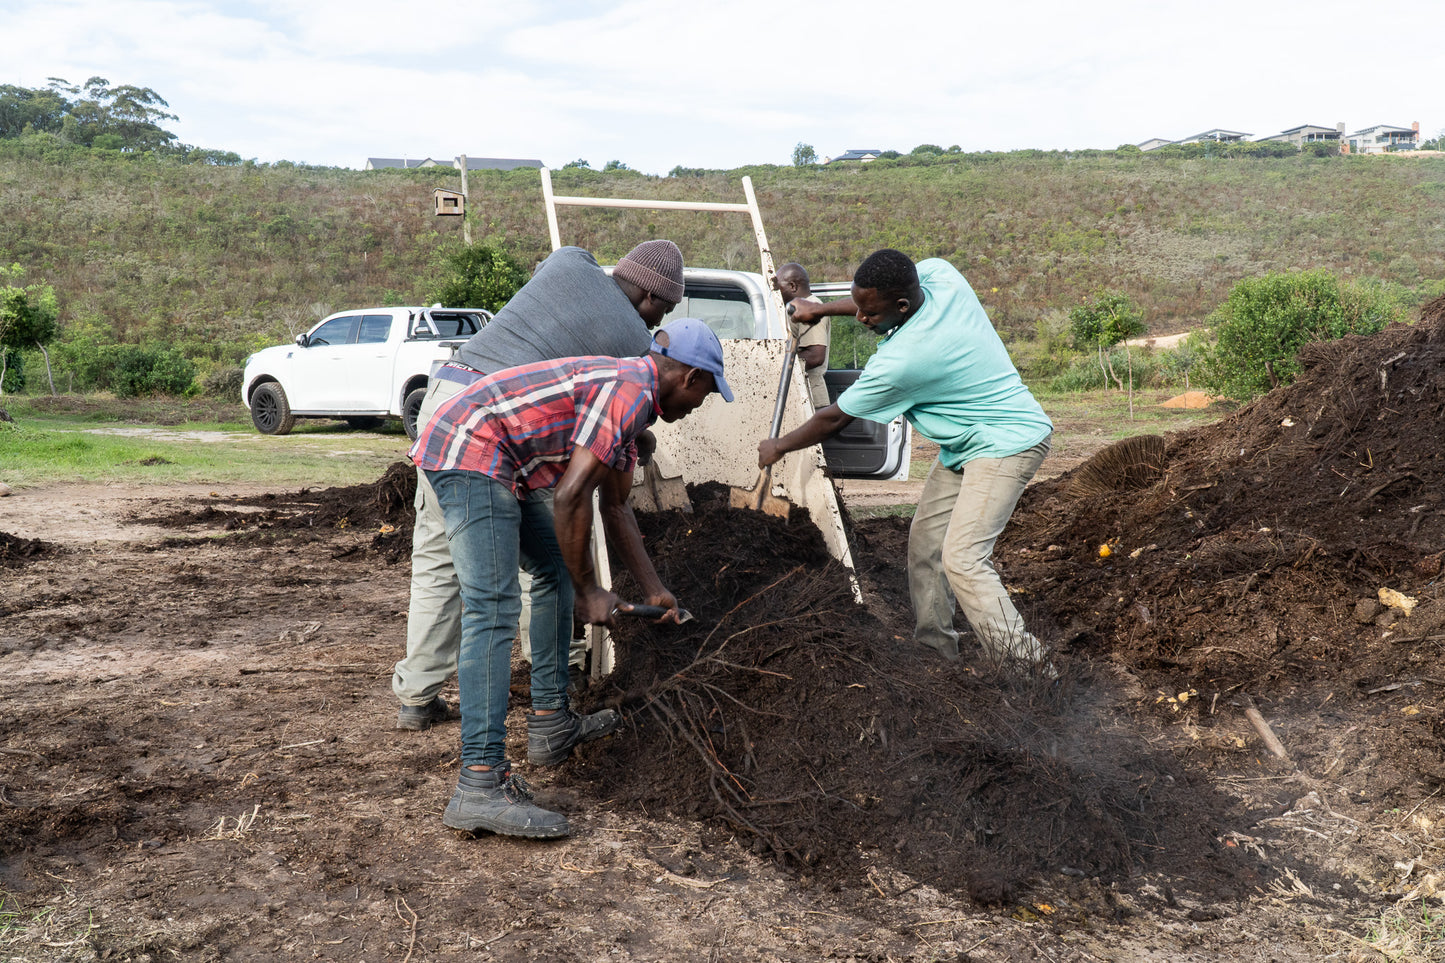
point(1407, 933)
point(883, 511)
point(152, 441)
point(10, 921)
point(1108, 413)
point(41, 927)
point(104, 407)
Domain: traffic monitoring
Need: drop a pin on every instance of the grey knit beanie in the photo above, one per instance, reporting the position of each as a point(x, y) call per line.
point(654, 266)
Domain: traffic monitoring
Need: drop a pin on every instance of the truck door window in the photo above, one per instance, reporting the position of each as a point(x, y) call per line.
point(456, 325)
point(375, 329)
point(335, 331)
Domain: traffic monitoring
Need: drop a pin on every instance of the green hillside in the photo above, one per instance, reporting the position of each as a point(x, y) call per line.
point(216, 260)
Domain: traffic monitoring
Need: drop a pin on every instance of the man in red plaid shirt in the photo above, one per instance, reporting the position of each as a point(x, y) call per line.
point(571, 424)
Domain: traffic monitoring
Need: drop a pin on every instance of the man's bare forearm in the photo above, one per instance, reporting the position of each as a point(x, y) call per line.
point(823, 424)
point(622, 534)
point(808, 312)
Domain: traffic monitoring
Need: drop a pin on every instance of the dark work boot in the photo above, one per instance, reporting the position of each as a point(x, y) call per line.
point(499, 802)
point(550, 738)
point(423, 717)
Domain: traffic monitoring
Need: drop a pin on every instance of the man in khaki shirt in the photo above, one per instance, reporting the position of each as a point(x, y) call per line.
point(793, 282)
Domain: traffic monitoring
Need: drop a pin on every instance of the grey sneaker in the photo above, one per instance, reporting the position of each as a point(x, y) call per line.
point(423, 717)
point(499, 802)
point(550, 738)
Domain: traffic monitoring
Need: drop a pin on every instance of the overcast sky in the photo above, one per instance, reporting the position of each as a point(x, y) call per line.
point(657, 83)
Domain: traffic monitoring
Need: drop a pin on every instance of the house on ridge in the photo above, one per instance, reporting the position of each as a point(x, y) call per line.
point(855, 154)
point(1152, 143)
point(1221, 136)
point(1309, 134)
point(1382, 138)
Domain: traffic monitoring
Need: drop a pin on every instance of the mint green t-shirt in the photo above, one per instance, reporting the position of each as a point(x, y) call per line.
point(947, 372)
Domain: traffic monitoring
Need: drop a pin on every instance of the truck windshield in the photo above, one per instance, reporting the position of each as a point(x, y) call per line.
point(726, 310)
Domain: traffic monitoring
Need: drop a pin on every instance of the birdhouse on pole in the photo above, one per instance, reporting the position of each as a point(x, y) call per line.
point(449, 203)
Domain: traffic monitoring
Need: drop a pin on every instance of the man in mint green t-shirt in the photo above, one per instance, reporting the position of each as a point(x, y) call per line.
point(942, 366)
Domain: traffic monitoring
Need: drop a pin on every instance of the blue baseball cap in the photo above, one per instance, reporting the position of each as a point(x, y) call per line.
point(693, 343)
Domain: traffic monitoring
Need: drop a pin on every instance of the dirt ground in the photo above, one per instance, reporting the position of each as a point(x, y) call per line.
point(198, 760)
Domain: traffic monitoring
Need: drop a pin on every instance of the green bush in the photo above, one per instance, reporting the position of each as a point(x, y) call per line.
point(1260, 329)
point(1178, 364)
point(480, 276)
point(1102, 322)
point(145, 370)
point(14, 378)
point(1047, 353)
point(1136, 369)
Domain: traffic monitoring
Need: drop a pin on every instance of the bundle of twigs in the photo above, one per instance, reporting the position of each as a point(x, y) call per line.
point(1126, 465)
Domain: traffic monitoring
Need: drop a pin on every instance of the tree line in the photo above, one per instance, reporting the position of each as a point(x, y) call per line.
point(100, 115)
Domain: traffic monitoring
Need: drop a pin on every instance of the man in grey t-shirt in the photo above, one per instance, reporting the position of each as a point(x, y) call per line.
point(570, 308)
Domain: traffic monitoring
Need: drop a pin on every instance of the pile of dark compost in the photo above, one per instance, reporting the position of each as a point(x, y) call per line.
point(1254, 566)
point(798, 719)
point(383, 506)
point(16, 551)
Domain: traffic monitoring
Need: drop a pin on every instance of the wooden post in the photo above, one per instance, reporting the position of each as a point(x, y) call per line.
point(466, 208)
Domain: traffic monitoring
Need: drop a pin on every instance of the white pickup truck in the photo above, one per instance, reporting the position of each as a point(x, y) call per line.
point(361, 366)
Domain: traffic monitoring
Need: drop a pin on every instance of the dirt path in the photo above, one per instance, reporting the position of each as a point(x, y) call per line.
point(198, 763)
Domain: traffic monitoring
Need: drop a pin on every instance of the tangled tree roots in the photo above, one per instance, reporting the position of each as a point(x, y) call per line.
point(395, 491)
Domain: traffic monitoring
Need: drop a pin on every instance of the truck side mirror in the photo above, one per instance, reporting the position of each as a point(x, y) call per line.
point(301, 340)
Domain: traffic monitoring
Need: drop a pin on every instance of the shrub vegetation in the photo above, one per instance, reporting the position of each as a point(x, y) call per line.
point(1266, 320)
point(166, 246)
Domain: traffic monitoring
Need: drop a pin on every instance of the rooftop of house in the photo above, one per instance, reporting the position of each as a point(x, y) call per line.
point(473, 163)
point(1311, 129)
point(1214, 133)
point(1383, 129)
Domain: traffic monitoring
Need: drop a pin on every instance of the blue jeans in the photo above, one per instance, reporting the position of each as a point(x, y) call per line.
point(491, 534)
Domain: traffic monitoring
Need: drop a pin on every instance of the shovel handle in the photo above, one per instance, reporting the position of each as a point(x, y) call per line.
point(643, 611)
point(651, 612)
point(781, 400)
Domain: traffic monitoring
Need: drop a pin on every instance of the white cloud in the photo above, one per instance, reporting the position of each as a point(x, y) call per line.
point(657, 84)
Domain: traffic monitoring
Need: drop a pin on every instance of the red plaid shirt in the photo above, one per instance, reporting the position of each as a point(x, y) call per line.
point(521, 425)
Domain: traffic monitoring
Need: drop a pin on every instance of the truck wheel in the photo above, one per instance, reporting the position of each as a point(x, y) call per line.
point(270, 411)
point(410, 408)
point(365, 422)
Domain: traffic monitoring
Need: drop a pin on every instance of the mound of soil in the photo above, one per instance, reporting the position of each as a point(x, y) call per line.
point(789, 715)
point(797, 719)
point(384, 506)
point(1255, 565)
point(16, 551)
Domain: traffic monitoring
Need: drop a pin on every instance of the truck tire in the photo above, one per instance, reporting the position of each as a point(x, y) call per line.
point(270, 411)
point(410, 408)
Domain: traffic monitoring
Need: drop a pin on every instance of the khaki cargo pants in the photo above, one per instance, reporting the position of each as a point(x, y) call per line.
point(960, 516)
